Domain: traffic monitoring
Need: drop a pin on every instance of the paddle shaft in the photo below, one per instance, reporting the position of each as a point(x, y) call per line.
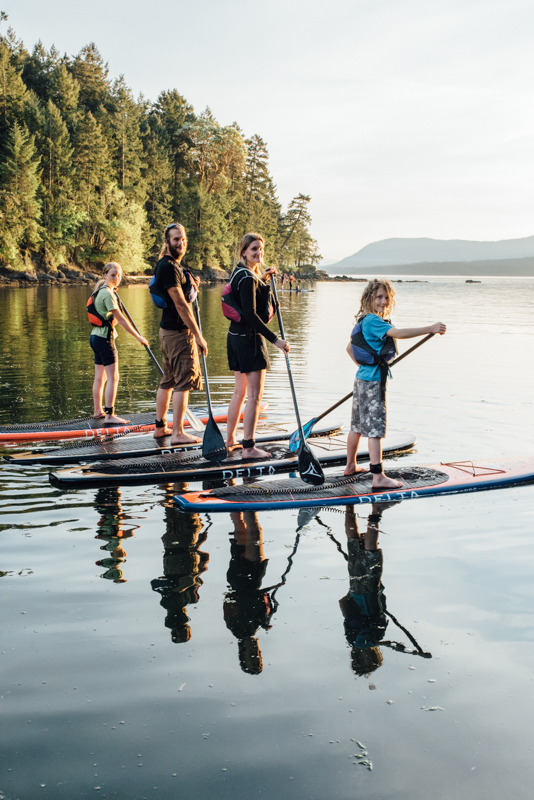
point(396, 361)
point(281, 324)
point(203, 358)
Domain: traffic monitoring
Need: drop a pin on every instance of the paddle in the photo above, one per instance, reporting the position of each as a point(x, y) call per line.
point(294, 441)
point(213, 444)
point(309, 468)
point(194, 421)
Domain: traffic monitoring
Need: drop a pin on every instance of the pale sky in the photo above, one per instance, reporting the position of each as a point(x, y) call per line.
point(399, 117)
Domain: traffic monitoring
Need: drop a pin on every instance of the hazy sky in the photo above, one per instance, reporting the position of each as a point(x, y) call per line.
point(398, 117)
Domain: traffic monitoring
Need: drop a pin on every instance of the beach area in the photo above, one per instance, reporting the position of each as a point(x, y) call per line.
point(137, 663)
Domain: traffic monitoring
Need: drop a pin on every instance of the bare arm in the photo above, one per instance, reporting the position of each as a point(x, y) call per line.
point(121, 319)
point(351, 354)
point(184, 310)
point(411, 333)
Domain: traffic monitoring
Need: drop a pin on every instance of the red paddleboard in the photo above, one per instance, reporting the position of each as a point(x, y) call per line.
point(339, 490)
point(89, 427)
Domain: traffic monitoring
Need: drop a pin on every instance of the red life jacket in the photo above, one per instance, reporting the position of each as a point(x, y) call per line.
point(96, 319)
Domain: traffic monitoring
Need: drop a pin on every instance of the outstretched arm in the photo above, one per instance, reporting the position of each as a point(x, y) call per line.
point(121, 319)
point(411, 333)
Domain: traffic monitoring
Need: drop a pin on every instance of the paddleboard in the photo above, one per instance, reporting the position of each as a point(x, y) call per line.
point(338, 490)
point(133, 445)
point(330, 451)
point(89, 427)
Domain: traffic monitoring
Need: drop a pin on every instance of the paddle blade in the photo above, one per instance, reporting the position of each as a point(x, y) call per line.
point(294, 439)
point(213, 444)
point(309, 468)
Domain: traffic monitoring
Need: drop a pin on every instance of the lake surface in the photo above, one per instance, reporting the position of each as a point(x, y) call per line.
point(147, 653)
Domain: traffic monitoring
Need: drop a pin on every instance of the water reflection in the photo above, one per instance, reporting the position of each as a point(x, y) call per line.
point(112, 531)
point(364, 608)
point(183, 564)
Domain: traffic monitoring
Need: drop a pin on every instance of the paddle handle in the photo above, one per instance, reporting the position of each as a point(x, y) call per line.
point(411, 349)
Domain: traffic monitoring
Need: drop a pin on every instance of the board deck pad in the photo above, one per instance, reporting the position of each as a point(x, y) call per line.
point(191, 466)
point(417, 481)
point(133, 445)
point(89, 426)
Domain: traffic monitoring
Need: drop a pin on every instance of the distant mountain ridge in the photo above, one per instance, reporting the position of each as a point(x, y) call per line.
point(397, 252)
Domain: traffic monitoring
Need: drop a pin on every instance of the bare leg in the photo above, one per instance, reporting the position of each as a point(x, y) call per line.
point(353, 442)
point(380, 480)
point(234, 410)
point(112, 384)
point(98, 387)
point(179, 406)
point(255, 382)
point(163, 399)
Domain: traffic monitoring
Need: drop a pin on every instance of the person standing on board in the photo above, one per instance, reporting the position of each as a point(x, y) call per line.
point(369, 400)
point(247, 353)
point(102, 341)
point(180, 339)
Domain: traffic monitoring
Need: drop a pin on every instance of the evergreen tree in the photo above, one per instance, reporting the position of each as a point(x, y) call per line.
point(38, 70)
point(174, 113)
point(157, 175)
point(61, 217)
point(92, 75)
point(298, 247)
point(20, 209)
point(65, 92)
point(13, 92)
point(127, 145)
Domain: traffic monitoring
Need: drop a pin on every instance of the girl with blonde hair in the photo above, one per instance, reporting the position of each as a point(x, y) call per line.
point(370, 347)
point(247, 353)
point(102, 343)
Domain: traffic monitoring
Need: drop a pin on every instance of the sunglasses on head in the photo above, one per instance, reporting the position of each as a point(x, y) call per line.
point(173, 225)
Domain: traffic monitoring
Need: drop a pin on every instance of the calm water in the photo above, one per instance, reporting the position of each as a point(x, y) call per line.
point(143, 656)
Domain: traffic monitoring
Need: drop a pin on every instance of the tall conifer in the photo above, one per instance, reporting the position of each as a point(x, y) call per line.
point(20, 207)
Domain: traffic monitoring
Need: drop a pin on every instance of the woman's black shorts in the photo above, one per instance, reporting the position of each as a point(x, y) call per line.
point(247, 353)
point(104, 350)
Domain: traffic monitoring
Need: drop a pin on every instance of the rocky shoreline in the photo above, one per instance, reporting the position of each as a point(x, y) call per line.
point(68, 275)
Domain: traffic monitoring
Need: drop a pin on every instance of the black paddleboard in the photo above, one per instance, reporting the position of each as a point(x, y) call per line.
point(190, 466)
point(132, 445)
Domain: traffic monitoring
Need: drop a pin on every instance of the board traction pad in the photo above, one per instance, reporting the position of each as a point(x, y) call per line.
point(334, 486)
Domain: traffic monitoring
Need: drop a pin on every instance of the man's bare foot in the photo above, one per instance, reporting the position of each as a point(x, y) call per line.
point(159, 433)
point(350, 469)
point(185, 438)
point(382, 481)
point(231, 446)
point(113, 420)
point(255, 452)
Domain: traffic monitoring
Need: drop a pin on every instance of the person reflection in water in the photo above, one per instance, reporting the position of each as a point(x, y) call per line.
point(364, 607)
point(247, 606)
point(111, 530)
point(183, 564)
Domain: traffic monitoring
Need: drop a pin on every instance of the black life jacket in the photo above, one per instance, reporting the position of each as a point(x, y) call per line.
point(366, 356)
point(96, 319)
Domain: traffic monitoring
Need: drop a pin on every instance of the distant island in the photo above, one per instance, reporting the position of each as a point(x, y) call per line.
point(514, 257)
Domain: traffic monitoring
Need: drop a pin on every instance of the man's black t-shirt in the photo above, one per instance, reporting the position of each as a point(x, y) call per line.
point(169, 273)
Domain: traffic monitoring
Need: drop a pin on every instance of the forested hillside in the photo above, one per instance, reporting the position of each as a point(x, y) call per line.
point(90, 174)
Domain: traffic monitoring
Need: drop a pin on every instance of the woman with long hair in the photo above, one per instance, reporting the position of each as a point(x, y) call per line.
point(102, 342)
point(247, 352)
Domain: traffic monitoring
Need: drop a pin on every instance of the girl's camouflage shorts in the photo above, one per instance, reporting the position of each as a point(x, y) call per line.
point(368, 409)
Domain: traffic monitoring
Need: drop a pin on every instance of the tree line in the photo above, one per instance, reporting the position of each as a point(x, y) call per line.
point(90, 174)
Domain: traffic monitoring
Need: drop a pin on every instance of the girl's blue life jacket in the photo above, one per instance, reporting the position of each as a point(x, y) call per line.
point(189, 289)
point(366, 356)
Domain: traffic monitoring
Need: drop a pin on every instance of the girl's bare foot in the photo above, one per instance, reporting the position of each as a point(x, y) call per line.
point(113, 420)
point(350, 469)
point(99, 415)
point(235, 445)
point(255, 452)
point(159, 433)
point(185, 438)
point(381, 481)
